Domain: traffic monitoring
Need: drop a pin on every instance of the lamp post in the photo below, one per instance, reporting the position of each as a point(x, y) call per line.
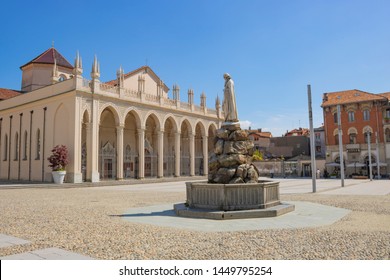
point(340, 145)
point(369, 153)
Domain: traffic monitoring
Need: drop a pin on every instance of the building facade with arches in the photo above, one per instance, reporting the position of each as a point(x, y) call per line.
point(125, 128)
point(365, 126)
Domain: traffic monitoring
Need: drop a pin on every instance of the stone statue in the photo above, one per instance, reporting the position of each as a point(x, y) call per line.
point(229, 100)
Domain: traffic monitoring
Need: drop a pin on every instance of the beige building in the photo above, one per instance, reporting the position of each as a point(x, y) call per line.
point(125, 128)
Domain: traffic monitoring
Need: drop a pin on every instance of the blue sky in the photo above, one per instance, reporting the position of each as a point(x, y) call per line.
point(272, 49)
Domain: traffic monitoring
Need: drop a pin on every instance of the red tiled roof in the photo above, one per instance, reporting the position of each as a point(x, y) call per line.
point(385, 94)
point(262, 134)
point(48, 56)
point(6, 93)
point(349, 96)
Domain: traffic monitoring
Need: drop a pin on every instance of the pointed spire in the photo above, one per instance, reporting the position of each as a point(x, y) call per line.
point(78, 65)
point(120, 77)
point(203, 99)
point(217, 102)
point(95, 74)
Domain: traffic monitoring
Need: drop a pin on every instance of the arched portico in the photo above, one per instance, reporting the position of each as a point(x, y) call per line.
point(108, 144)
point(170, 129)
point(131, 145)
point(186, 145)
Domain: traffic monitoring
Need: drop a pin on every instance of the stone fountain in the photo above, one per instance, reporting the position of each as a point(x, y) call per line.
point(233, 189)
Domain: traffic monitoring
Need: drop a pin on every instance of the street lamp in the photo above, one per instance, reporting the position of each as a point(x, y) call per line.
point(368, 132)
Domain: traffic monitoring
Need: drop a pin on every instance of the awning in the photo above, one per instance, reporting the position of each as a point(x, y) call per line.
point(355, 164)
point(380, 164)
point(334, 164)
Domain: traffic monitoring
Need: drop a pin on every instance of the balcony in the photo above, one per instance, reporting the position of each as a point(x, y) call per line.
point(352, 148)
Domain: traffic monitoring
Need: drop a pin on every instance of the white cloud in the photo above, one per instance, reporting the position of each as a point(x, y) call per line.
point(246, 124)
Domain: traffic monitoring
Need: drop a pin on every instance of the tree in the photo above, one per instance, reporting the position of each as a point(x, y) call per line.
point(257, 156)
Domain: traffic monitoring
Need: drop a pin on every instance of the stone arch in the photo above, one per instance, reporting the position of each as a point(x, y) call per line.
point(185, 160)
point(352, 130)
point(135, 113)
point(108, 121)
point(152, 128)
point(201, 126)
point(132, 122)
point(367, 128)
point(200, 131)
point(86, 116)
point(154, 115)
point(187, 121)
point(170, 129)
point(113, 108)
point(173, 119)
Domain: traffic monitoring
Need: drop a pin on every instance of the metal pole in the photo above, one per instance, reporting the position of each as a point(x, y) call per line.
point(369, 154)
point(340, 145)
point(312, 148)
point(377, 156)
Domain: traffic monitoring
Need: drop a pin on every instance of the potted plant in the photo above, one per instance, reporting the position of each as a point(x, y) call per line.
point(58, 161)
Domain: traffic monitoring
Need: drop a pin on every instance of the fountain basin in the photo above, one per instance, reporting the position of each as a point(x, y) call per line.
point(232, 197)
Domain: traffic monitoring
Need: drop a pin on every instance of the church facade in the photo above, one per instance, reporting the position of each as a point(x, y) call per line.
point(125, 128)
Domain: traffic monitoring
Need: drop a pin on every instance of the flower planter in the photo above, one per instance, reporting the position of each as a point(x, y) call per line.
point(58, 176)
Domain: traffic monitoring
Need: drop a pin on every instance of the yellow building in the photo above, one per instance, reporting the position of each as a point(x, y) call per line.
point(125, 128)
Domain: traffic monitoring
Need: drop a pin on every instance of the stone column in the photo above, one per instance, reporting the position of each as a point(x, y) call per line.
point(141, 153)
point(205, 155)
point(192, 154)
point(95, 142)
point(88, 129)
point(160, 166)
point(177, 154)
point(119, 159)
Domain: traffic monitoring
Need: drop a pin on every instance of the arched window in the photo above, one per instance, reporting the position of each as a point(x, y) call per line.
point(335, 118)
point(25, 146)
point(366, 137)
point(5, 147)
point(38, 145)
point(62, 78)
point(16, 153)
point(352, 138)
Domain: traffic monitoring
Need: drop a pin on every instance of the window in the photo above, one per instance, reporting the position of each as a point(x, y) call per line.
point(5, 147)
point(38, 150)
point(366, 115)
point(366, 137)
point(352, 138)
point(335, 117)
point(387, 113)
point(25, 146)
point(62, 78)
point(351, 116)
point(16, 146)
point(387, 134)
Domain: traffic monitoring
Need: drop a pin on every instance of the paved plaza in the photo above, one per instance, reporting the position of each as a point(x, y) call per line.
point(135, 220)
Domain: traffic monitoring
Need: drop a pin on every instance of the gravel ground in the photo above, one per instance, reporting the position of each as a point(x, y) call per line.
point(85, 221)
